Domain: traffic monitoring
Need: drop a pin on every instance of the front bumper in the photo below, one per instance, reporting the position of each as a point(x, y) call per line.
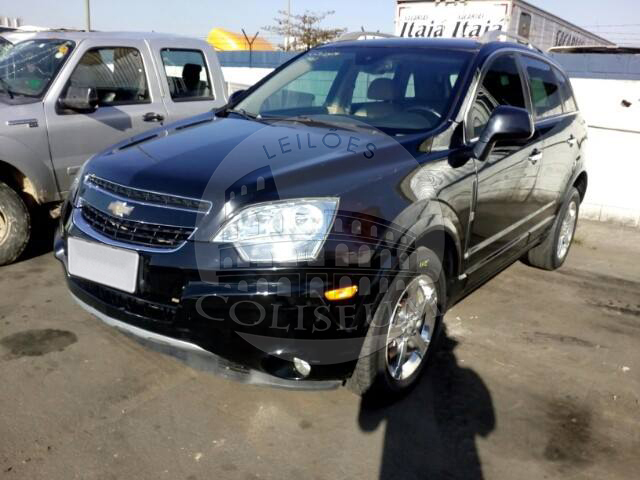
point(201, 359)
point(177, 313)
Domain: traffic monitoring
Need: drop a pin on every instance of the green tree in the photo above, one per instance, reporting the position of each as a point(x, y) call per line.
point(303, 31)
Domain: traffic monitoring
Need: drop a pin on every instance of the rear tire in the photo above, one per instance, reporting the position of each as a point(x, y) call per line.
point(15, 225)
point(554, 249)
point(381, 374)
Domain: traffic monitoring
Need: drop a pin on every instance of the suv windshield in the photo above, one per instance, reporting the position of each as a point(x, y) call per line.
point(27, 68)
point(397, 91)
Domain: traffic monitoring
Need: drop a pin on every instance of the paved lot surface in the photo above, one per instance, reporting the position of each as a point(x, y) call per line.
point(538, 377)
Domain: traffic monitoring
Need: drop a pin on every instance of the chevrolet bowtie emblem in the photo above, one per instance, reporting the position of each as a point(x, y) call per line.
point(120, 209)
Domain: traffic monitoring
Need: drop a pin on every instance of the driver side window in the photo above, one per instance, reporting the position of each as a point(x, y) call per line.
point(116, 74)
point(501, 85)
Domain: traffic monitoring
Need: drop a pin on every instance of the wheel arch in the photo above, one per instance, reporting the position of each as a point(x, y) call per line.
point(446, 243)
point(580, 183)
point(19, 182)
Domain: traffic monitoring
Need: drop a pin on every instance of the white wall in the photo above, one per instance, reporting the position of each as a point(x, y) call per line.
point(613, 148)
point(239, 78)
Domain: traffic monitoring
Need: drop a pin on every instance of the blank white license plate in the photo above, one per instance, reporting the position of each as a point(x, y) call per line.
point(113, 267)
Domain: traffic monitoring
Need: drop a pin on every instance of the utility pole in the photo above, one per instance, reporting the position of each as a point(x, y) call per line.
point(288, 40)
point(250, 43)
point(87, 15)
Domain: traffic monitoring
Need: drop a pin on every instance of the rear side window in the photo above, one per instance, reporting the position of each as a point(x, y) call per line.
point(545, 88)
point(501, 85)
point(568, 100)
point(116, 73)
point(187, 75)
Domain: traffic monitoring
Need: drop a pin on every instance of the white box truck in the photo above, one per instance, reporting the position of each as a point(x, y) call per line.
point(474, 18)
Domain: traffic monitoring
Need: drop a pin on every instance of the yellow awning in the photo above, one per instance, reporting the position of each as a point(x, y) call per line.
point(225, 40)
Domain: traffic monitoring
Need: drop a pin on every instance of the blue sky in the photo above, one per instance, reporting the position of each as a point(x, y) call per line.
point(617, 19)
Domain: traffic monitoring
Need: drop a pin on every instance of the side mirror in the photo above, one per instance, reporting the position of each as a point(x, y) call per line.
point(236, 95)
point(505, 123)
point(80, 99)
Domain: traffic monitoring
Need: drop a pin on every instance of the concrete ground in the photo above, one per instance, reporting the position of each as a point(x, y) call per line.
point(537, 377)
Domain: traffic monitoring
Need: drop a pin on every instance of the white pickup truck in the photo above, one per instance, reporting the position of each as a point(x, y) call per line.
point(66, 95)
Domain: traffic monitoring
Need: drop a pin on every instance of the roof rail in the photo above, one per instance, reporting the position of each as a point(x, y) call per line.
point(499, 35)
point(348, 36)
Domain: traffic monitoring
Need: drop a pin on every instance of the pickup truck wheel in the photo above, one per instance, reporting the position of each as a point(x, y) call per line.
point(553, 251)
point(403, 331)
point(15, 225)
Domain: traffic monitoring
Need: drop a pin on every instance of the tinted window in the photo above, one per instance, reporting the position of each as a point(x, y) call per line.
point(187, 74)
point(117, 74)
point(501, 85)
point(545, 90)
point(396, 90)
point(568, 100)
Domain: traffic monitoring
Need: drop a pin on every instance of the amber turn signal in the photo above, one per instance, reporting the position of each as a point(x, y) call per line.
point(341, 293)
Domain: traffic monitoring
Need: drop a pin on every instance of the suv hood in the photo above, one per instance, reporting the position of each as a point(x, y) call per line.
point(208, 157)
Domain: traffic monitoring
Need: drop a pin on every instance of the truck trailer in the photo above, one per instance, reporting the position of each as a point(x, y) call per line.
point(475, 18)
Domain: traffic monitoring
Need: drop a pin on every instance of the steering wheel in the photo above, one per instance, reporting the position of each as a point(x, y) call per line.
point(425, 111)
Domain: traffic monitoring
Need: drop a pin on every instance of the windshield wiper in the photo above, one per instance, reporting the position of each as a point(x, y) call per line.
point(6, 87)
point(311, 120)
point(243, 113)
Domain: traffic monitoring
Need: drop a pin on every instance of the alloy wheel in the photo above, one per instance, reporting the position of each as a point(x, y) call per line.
point(411, 328)
point(4, 228)
point(567, 230)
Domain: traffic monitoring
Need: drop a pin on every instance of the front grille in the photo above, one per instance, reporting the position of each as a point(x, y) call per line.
point(138, 233)
point(149, 197)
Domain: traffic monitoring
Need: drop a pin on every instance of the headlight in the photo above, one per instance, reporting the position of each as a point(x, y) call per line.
point(283, 231)
point(73, 189)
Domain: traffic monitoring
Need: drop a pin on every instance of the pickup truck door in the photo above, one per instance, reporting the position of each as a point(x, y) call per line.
point(129, 102)
point(190, 77)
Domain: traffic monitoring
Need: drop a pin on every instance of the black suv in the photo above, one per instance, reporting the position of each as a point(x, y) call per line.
point(314, 231)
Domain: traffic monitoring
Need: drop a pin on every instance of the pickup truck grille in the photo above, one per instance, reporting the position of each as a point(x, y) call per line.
point(154, 198)
point(133, 232)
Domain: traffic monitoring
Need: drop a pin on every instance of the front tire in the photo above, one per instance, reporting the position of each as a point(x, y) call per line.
point(15, 225)
point(553, 251)
point(403, 330)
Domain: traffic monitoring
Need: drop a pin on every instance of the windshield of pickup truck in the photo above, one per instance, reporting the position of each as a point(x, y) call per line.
point(395, 90)
point(27, 68)
point(4, 45)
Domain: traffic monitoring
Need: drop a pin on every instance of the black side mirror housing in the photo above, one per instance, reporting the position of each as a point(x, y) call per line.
point(505, 123)
point(235, 96)
point(80, 99)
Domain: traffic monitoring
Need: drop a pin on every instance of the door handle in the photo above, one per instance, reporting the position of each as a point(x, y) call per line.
point(153, 117)
point(535, 156)
point(572, 141)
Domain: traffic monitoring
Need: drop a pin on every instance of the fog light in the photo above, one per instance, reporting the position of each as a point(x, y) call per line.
point(302, 367)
